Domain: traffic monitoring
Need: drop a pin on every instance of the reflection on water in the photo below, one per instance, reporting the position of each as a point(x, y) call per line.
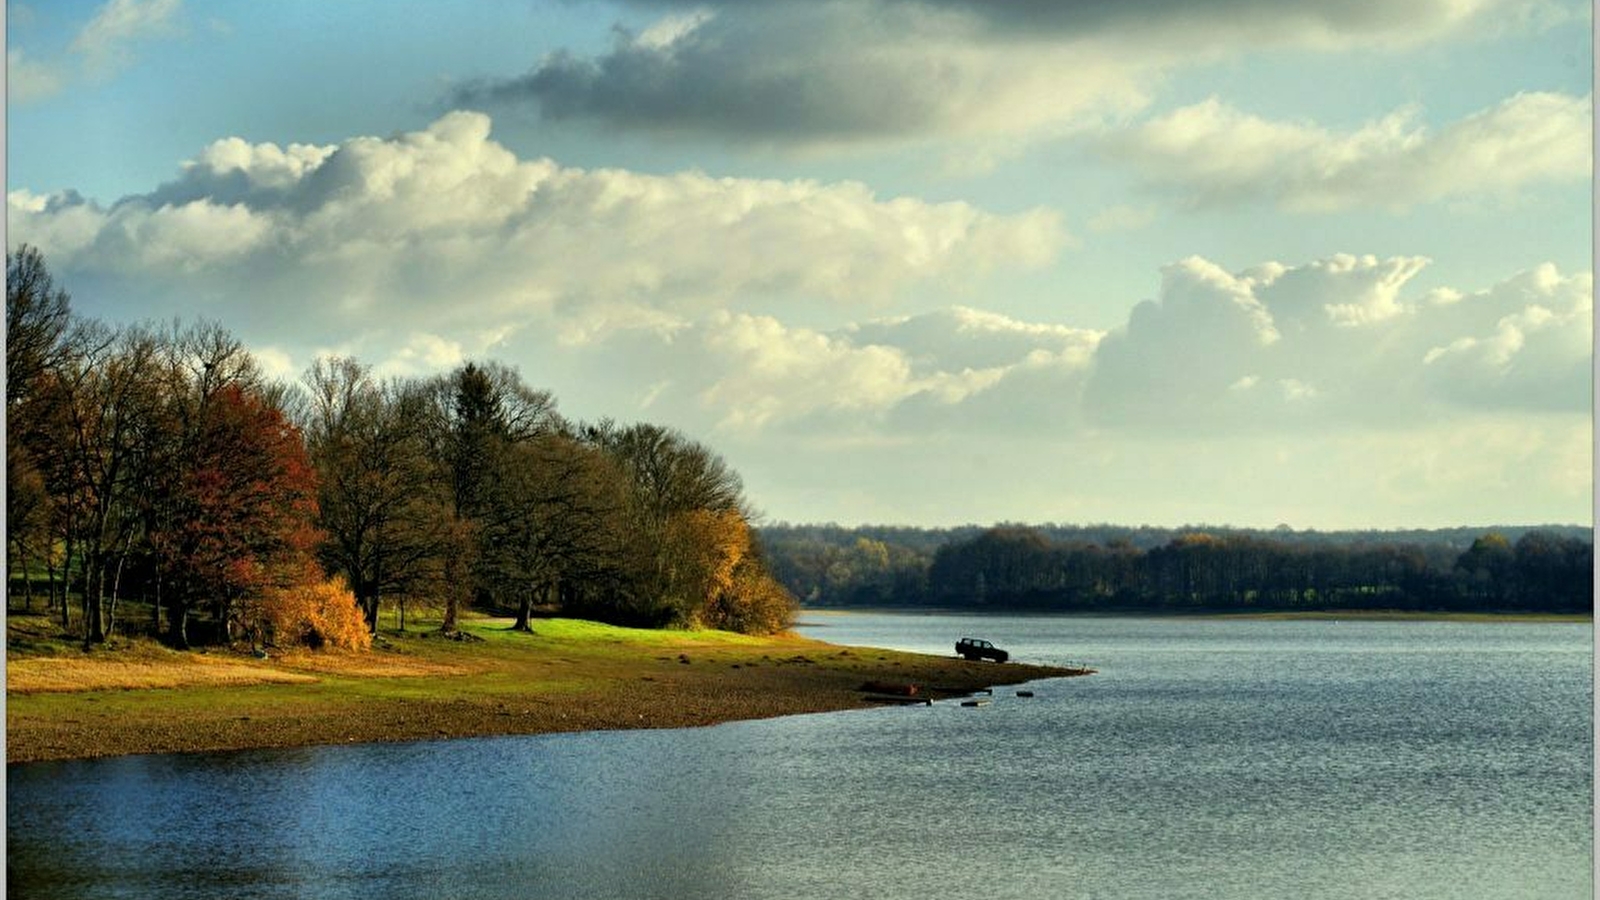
point(1208, 759)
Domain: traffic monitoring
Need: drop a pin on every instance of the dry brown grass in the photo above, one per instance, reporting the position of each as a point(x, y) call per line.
point(366, 665)
point(60, 674)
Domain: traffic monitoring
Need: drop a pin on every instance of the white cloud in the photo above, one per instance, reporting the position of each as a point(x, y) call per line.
point(774, 371)
point(961, 338)
point(103, 46)
point(1335, 344)
point(60, 225)
point(28, 80)
point(1537, 354)
point(1213, 154)
point(105, 43)
point(444, 229)
point(1344, 289)
point(276, 363)
point(422, 354)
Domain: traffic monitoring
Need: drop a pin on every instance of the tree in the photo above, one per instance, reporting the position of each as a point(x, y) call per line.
point(381, 509)
point(667, 477)
point(694, 559)
point(27, 515)
point(473, 414)
point(554, 520)
point(243, 511)
point(38, 317)
point(1486, 566)
point(724, 582)
point(705, 548)
point(102, 398)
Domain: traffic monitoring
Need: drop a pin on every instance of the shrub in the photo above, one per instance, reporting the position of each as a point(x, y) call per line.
point(753, 604)
point(316, 615)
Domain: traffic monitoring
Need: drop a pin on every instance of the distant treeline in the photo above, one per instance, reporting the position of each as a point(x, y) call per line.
point(160, 467)
point(1112, 568)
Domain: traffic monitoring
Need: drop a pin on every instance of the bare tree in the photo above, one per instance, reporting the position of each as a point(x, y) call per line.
point(381, 507)
point(554, 519)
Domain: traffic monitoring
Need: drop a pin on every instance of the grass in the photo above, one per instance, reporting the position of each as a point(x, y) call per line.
point(137, 696)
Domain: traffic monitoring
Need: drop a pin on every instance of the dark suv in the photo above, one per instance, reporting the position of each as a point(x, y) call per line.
point(972, 648)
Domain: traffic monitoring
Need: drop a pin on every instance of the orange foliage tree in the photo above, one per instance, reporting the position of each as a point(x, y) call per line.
point(720, 577)
point(313, 613)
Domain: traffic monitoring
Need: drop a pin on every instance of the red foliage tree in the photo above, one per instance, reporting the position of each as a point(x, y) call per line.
point(243, 507)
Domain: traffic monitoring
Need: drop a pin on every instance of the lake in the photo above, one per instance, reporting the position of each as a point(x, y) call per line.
point(1208, 758)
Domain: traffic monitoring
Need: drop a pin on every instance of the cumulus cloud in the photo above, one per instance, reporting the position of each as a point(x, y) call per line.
point(1335, 344)
point(376, 232)
point(1537, 354)
point(1212, 154)
point(793, 72)
point(1271, 351)
point(742, 374)
point(964, 338)
point(1230, 393)
point(770, 370)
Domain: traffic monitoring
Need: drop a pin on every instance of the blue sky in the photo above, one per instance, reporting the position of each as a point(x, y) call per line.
point(1321, 262)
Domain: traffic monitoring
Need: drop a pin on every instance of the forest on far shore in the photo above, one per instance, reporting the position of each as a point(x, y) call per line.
point(1065, 568)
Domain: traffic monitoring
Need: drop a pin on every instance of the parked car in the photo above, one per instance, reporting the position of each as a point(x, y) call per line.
point(972, 648)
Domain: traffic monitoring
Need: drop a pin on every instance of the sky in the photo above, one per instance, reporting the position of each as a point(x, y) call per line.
point(1323, 263)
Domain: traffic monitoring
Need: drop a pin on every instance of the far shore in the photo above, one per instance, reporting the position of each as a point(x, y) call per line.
point(139, 697)
point(1371, 615)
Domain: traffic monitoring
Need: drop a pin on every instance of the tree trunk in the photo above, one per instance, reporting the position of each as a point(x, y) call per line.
point(14, 549)
point(93, 606)
point(369, 609)
point(178, 615)
point(27, 585)
point(116, 587)
point(524, 613)
point(61, 584)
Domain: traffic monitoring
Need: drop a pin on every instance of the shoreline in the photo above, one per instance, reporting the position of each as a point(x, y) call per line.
point(1371, 615)
point(569, 676)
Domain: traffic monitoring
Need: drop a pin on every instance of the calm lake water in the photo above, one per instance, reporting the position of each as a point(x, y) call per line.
point(1209, 758)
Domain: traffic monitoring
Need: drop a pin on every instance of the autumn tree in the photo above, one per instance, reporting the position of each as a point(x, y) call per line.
point(722, 578)
point(688, 526)
point(102, 399)
point(244, 506)
point(381, 508)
